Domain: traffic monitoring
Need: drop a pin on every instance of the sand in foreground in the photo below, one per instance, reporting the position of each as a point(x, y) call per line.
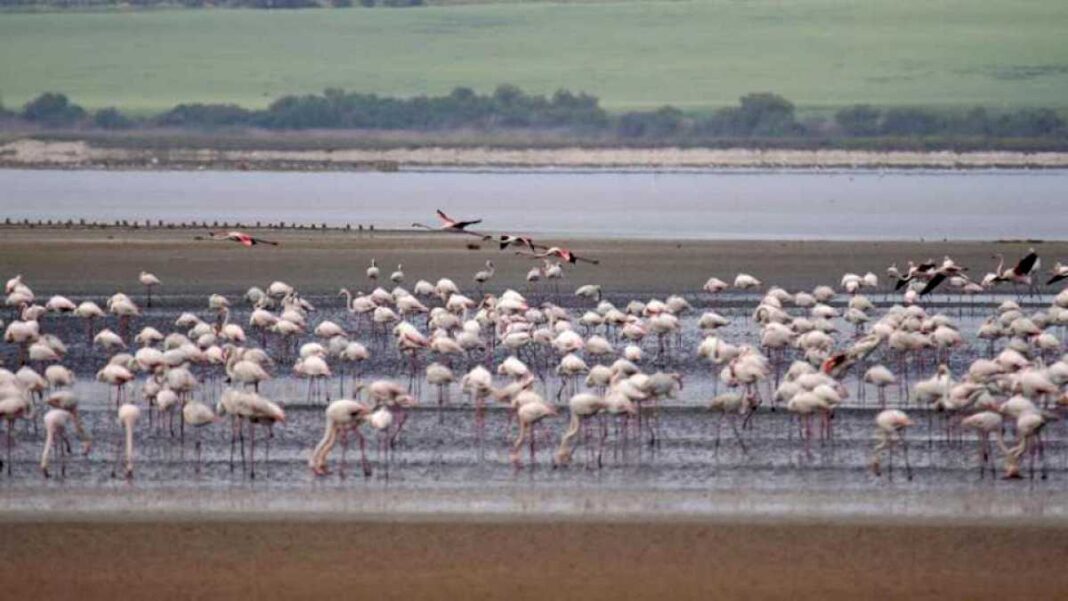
point(530, 560)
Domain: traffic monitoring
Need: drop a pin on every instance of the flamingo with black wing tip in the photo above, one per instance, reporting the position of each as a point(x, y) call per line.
point(448, 224)
point(1022, 271)
point(1057, 273)
point(506, 240)
point(564, 254)
point(924, 271)
point(948, 269)
point(241, 238)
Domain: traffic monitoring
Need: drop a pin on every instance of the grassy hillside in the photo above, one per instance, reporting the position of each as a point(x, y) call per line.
point(631, 54)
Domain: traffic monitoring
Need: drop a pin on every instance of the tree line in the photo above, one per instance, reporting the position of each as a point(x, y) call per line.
point(758, 116)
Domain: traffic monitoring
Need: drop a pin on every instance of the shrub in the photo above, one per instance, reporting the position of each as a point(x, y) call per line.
point(53, 110)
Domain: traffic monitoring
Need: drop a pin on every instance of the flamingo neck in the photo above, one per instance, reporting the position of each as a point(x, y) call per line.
point(128, 425)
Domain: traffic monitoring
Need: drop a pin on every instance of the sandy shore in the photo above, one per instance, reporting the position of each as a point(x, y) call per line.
point(103, 260)
point(528, 559)
point(28, 152)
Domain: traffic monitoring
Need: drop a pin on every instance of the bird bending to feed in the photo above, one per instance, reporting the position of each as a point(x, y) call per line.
point(889, 432)
point(448, 224)
point(241, 238)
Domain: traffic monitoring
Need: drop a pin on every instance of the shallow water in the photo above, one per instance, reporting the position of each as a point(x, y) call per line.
point(442, 465)
point(728, 204)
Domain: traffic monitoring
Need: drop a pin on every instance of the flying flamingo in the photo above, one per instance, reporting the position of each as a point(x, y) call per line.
point(241, 238)
point(922, 272)
point(448, 224)
point(561, 253)
point(1058, 273)
point(506, 240)
point(948, 269)
point(1021, 272)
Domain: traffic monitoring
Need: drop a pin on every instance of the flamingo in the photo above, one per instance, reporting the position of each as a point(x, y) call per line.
point(485, 275)
point(590, 292)
point(890, 425)
point(388, 394)
point(149, 281)
point(1021, 272)
point(243, 370)
point(22, 333)
point(122, 306)
point(117, 376)
point(373, 271)
point(440, 376)
point(1029, 426)
point(246, 240)
point(744, 281)
point(342, 416)
point(985, 424)
point(315, 368)
point(528, 415)
point(56, 423)
point(14, 404)
point(880, 377)
point(564, 254)
point(60, 304)
point(506, 240)
point(582, 406)
point(128, 416)
point(1058, 273)
point(730, 405)
point(916, 273)
point(450, 225)
point(198, 415)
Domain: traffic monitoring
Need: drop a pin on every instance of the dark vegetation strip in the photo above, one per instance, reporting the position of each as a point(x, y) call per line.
point(510, 117)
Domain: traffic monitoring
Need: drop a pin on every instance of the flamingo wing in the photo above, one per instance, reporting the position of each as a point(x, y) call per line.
point(933, 283)
point(446, 220)
point(462, 224)
point(1026, 264)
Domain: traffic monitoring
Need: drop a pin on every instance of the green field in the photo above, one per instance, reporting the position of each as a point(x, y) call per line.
point(818, 53)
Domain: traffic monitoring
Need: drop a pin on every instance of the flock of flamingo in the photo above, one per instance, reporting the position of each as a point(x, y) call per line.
point(496, 348)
